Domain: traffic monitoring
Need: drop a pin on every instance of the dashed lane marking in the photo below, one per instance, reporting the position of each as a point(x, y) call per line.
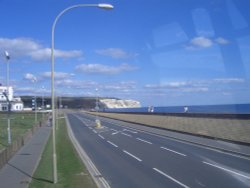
point(131, 155)
point(171, 178)
point(101, 136)
point(142, 140)
point(173, 151)
point(112, 144)
point(126, 134)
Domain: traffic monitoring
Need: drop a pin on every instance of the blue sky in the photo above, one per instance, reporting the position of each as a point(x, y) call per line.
point(160, 52)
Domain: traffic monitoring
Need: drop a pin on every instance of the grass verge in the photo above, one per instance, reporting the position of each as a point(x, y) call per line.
point(20, 123)
point(71, 171)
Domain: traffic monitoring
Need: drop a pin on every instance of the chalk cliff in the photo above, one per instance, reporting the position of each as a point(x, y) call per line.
point(119, 103)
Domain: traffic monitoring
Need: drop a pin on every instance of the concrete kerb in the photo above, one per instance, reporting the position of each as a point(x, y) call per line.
point(95, 174)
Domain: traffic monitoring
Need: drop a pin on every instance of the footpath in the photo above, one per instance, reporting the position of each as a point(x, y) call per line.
point(18, 172)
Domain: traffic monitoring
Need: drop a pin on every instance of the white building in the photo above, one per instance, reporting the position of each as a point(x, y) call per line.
point(16, 103)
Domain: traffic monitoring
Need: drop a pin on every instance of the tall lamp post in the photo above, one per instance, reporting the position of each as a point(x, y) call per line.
point(43, 101)
point(34, 80)
point(102, 6)
point(7, 94)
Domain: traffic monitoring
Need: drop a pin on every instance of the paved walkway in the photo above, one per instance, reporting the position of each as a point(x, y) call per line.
point(17, 173)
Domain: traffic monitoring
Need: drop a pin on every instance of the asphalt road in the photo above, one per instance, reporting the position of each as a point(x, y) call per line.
point(129, 157)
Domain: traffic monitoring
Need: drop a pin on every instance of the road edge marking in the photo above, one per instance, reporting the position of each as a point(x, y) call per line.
point(94, 172)
point(225, 169)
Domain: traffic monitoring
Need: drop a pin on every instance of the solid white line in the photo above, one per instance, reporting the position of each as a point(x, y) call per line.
point(101, 182)
point(126, 134)
point(131, 155)
point(112, 144)
point(173, 151)
point(176, 181)
point(216, 166)
point(144, 140)
point(101, 136)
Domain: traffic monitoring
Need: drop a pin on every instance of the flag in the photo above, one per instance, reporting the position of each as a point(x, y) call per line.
point(7, 55)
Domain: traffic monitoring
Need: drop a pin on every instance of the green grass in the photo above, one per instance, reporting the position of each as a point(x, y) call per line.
point(71, 171)
point(20, 123)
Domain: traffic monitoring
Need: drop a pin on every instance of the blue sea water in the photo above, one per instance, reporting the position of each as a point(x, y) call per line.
point(225, 109)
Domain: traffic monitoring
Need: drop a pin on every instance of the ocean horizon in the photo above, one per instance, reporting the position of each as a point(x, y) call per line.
point(217, 109)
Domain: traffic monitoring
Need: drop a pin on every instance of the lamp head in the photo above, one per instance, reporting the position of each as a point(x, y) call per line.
point(7, 56)
point(105, 6)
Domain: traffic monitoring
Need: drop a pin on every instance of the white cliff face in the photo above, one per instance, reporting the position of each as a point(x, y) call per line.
point(118, 103)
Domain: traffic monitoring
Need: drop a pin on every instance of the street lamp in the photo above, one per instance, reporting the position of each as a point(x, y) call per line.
point(103, 6)
point(97, 120)
point(43, 101)
point(34, 80)
point(7, 94)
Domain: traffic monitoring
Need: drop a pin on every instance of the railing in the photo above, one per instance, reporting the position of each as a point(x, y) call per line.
point(7, 153)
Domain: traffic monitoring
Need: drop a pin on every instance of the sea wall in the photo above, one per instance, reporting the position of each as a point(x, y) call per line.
point(226, 128)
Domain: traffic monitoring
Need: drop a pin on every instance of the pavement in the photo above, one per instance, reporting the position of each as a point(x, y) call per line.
point(18, 172)
point(133, 157)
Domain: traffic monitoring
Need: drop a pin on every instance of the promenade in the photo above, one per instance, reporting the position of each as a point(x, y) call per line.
point(18, 172)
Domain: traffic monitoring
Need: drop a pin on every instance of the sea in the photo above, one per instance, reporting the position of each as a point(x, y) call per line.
point(214, 109)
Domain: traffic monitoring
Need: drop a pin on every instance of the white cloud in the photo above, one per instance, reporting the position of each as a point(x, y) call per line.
point(104, 69)
point(25, 47)
point(167, 85)
point(229, 80)
point(30, 77)
point(57, 75)
point(221, 41)
point(45, 53)
point(218, 84)
point(76, 84)
point(201, 42)
point(204, 42)
point(115, 53)
point(124, 86)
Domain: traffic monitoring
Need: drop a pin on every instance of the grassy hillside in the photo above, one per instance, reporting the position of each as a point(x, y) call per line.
point(66, 102)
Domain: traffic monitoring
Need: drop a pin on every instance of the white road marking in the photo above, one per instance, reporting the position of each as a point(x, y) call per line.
point(231, 171)
point(169, 177)
point(144, 140)
point(177, 140)
point(131, 155)
point(112, 144)
point(115, 133)
point(166, 137)
point(173, 151)
point(130, 131)
point(90, 128)
point(101, 136)
point(94, 131)
point(126, 134)
point(114, 130)
point(89, 164)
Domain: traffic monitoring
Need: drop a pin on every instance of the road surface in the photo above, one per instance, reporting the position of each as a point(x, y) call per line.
point(128, 157)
